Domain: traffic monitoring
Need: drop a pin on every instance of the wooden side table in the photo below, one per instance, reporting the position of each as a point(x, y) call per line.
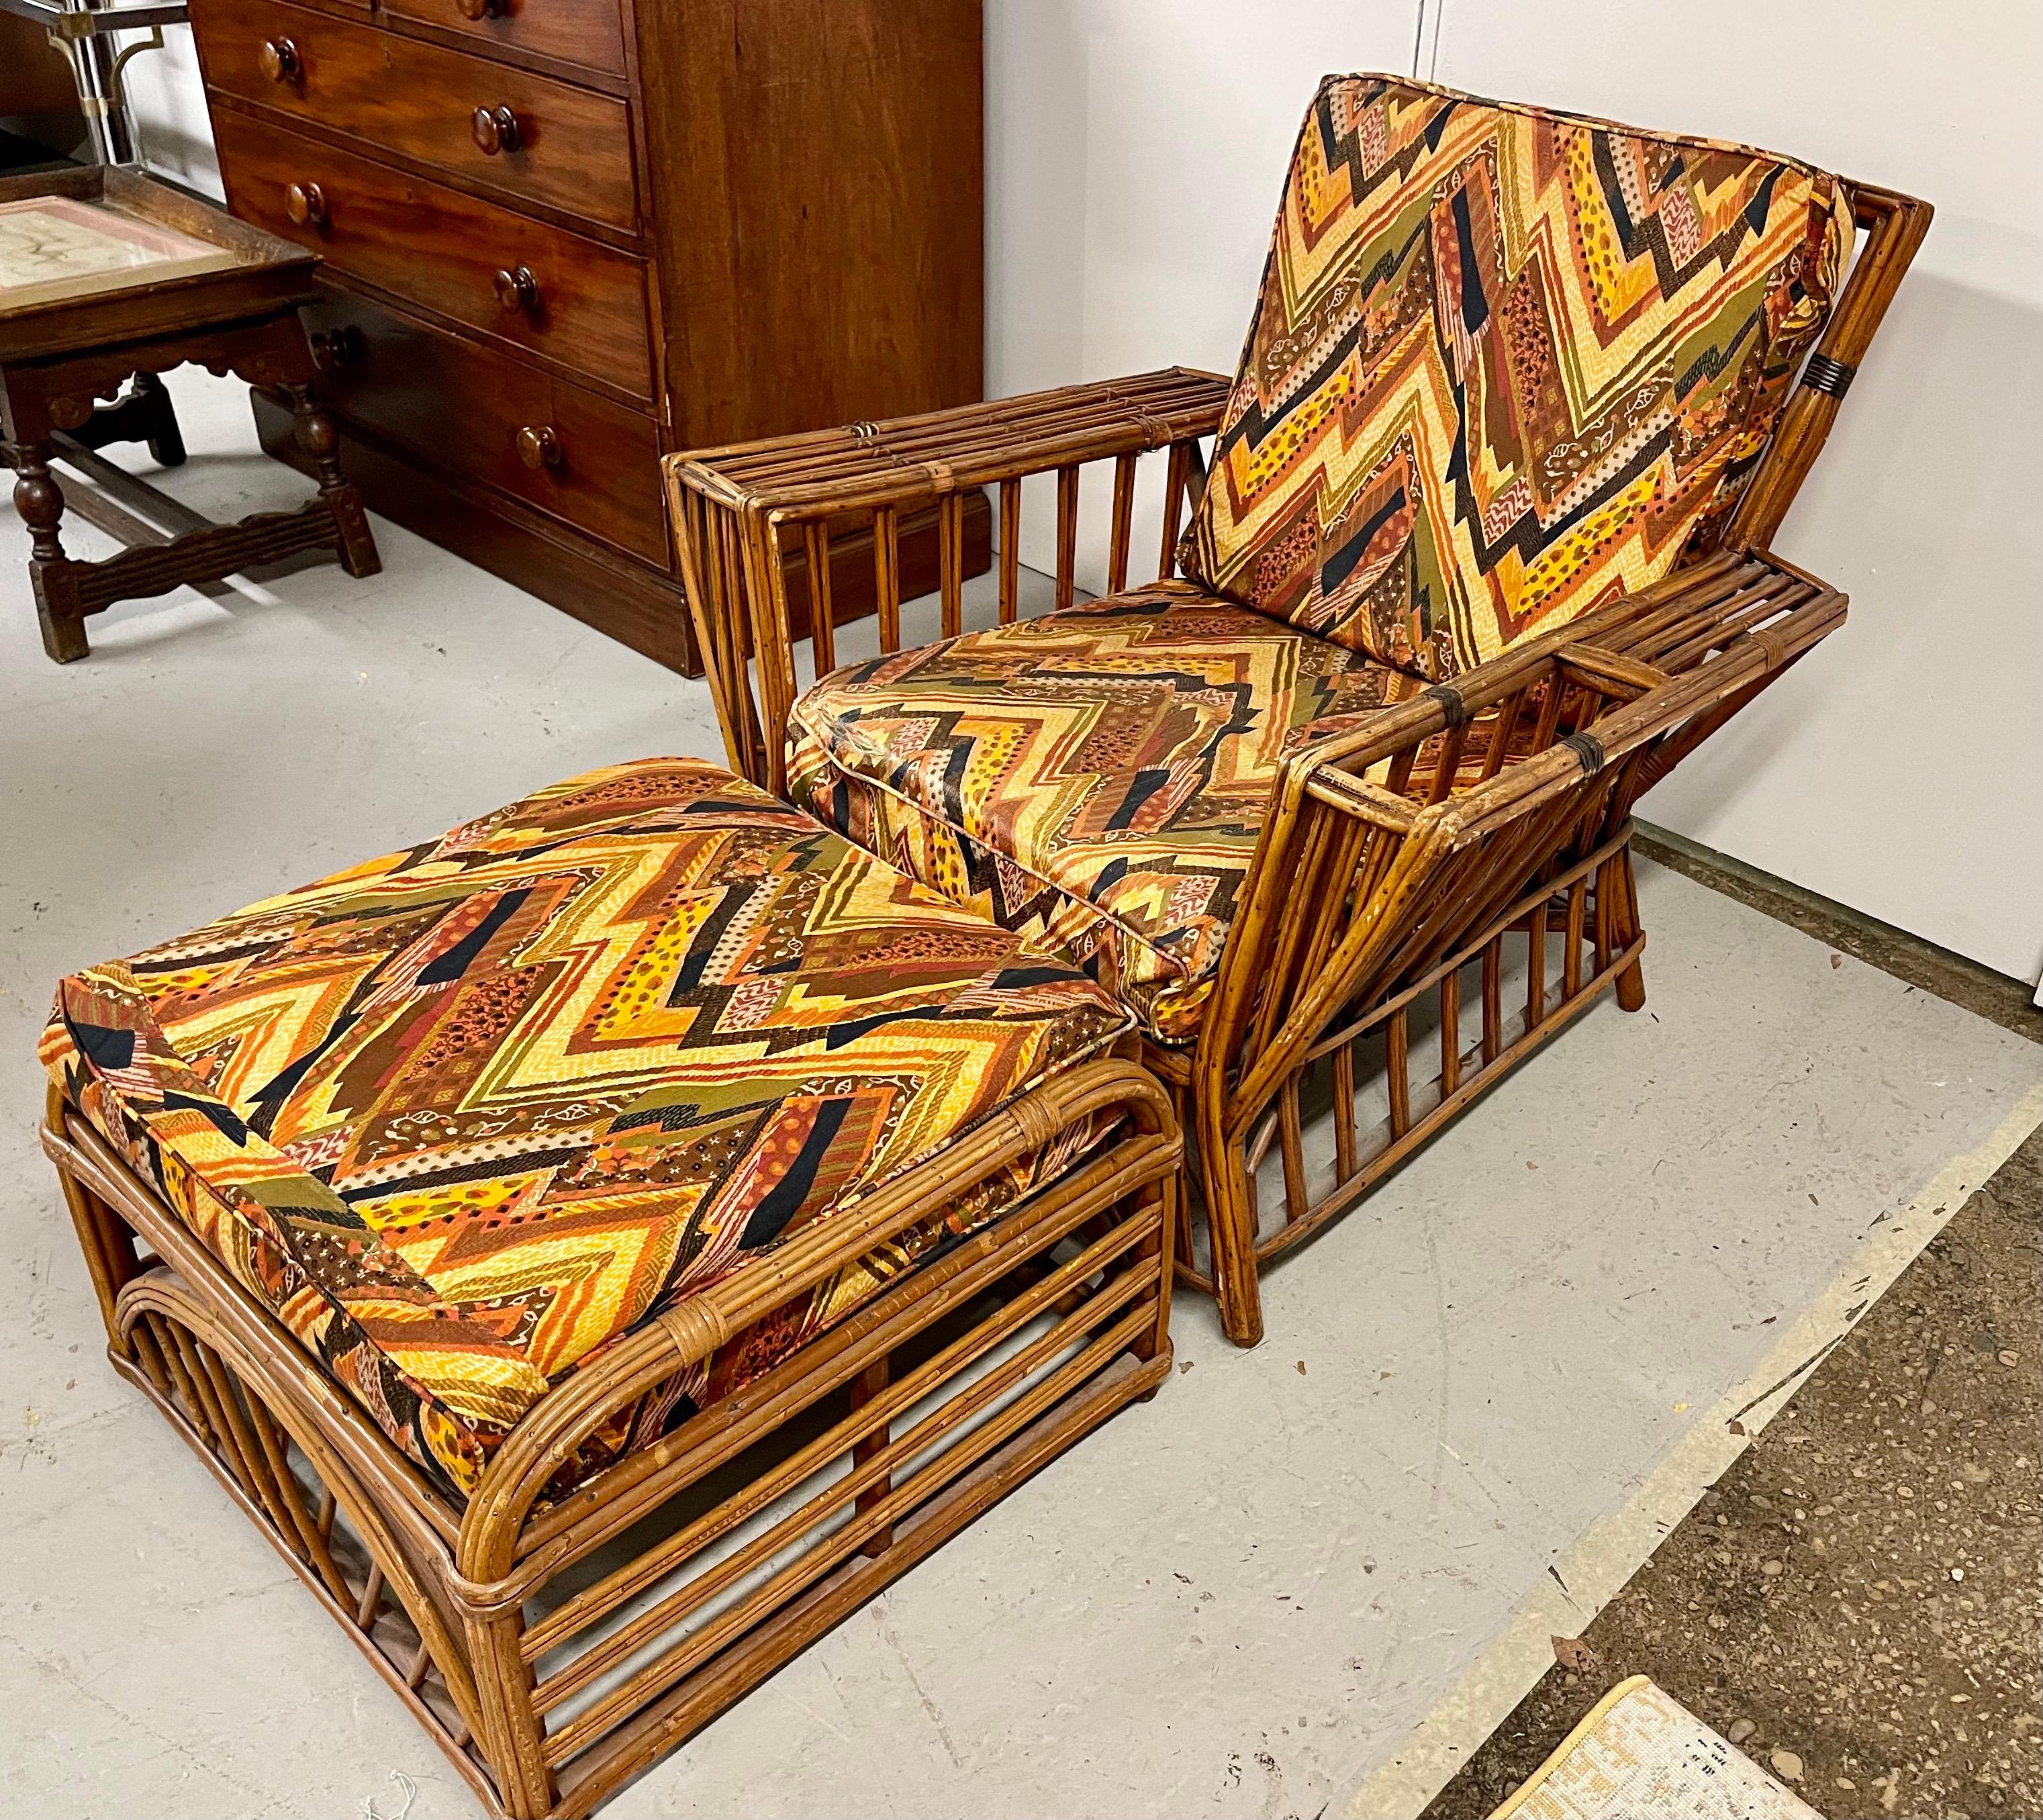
point(108, 280)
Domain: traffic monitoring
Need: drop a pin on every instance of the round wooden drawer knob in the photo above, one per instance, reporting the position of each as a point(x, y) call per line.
point(538, 447)
point(478, 8)
point(333, 349)
point(305, 204)
point(494, 129)
point(517, 290)
point(280, 60)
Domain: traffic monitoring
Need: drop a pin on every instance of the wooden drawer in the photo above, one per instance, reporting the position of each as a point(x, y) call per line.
point(463, 409)
point(573, 149)
point(444, 250)
point(585, 32)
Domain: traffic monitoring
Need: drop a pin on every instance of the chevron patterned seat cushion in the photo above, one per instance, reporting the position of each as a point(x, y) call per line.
point(1506, 364)
point(1096, 779)
point(461, 1115)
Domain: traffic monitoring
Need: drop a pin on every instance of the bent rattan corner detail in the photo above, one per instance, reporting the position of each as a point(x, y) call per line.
point(554, 1650)
point(1395, 860)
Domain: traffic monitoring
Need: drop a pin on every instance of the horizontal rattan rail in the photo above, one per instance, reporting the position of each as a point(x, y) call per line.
point(918, 1412)
point(1406, 870)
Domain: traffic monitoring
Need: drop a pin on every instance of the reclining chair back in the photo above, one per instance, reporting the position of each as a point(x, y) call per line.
point(1507, 365)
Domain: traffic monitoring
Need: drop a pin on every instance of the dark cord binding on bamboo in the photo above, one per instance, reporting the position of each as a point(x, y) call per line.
point(1453, 709)
point(1826, 375)
point(1589, 749)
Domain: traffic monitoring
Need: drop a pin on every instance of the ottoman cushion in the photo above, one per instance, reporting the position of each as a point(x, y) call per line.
point(462, 1114)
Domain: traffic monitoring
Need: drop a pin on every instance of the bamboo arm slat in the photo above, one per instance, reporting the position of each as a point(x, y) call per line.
point(907, 459)
point(1734, 596)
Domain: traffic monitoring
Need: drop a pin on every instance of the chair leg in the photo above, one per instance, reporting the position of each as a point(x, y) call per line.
point(52, 576)
point(1630, 980)
point(109, 1246)
point(1231, 1223)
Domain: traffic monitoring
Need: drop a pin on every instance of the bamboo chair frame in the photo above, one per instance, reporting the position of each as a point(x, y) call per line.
point(1392, 859)
point(555, 1650)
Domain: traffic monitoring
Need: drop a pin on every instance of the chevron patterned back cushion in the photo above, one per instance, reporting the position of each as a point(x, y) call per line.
point(1506, 364)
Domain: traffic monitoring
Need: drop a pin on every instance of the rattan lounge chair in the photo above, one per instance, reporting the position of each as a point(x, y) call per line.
point(1482, 553)
point(601, 1247)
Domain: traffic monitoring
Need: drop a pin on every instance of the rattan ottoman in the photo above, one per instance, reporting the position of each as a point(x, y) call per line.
point(603, 1246)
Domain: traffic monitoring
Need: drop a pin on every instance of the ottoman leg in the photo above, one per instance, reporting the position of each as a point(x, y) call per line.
point(106, 1240)
point(52, 575)
point(1157, 1342)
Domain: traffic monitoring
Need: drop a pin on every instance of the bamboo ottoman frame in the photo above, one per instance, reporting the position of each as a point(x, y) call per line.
point(1363, 899)
point(553, 1651)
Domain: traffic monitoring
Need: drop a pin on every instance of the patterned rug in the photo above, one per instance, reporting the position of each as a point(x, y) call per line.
point(1641, 1755)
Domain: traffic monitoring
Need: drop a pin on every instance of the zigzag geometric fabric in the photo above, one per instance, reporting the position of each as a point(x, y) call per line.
point(1506, 364)
point(1096, 779)
point(462, 1114)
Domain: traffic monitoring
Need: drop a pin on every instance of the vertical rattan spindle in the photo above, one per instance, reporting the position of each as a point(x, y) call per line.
point(1010, 550)
point(1067, 535)
point(1493, 1000)
point(869, 1383)
point(1450, 1033)
point(1397, 1065)
point(1123, 518)
point(887, 575)
point(1174, 476)
point(822, 627)
point(950, 545)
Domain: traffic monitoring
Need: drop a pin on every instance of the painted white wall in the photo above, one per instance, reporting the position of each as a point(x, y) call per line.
point(1134, 153)
point(1134, 150)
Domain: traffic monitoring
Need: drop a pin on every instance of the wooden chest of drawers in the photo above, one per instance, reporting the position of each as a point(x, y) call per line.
point(563, 237)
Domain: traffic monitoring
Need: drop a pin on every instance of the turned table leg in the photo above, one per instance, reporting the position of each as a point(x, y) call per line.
point(320, 442)
point(51, 574)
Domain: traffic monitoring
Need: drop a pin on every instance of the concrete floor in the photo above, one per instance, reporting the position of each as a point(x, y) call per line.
point(1855, 1601)
point(1236, 1601)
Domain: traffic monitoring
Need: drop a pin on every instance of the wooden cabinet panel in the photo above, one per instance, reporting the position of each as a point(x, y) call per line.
point(517, 281)
point(486, 417)
point(737, 216)
point(837, 143)
point(537, 140)
point(586, 32)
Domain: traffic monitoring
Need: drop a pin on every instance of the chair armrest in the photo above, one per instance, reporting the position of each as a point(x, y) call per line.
point(905, 460)
point(746, 515)
point(1752, 607)
point(1387, 846)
